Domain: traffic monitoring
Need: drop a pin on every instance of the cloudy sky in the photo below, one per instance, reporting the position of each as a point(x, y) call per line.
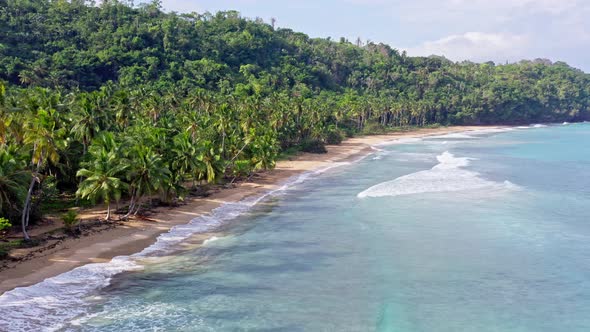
point(477, 30)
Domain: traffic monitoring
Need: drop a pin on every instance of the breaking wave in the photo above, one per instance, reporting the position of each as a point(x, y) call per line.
point(454, 135)
point(447, 176)
point(395, 141)
point(210, 240)
point(492, 130)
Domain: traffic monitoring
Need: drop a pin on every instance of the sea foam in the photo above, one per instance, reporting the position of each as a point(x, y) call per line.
point(396, 141)
point(210, 240)
point(492, 130)
point(47, 305)
point(52, 303)
point(463, 135)
point(448, 176)
point(473, 134)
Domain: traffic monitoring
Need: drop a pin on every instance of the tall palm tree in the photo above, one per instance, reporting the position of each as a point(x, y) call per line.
point(183, 156)
point(44, 140)
point(102, 179)
point(264, 150)
point(210, 158)
point(147, 174)
point(84, 123)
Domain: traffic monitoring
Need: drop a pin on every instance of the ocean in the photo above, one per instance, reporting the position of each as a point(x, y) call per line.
point(477, 231)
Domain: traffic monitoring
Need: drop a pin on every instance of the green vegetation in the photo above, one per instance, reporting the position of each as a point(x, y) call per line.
point(112, 101)
point(313, 146)
point(4, 224)
point(70, 219)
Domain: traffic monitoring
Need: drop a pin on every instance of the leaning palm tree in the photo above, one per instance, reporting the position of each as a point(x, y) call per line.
point(44, 141)
point(101, 179)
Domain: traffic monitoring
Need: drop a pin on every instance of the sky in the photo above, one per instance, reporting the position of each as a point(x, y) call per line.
point(476, 30)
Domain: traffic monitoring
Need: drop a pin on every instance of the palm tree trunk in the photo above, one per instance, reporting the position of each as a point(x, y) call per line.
point(223, 141)
point(108, 212)
point(138, 206)
point(131, 207)
point(26, 209)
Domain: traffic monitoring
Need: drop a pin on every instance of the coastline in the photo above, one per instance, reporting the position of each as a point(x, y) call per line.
point(134, 236)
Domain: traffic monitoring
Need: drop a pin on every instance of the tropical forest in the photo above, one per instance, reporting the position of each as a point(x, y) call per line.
point(110, 101)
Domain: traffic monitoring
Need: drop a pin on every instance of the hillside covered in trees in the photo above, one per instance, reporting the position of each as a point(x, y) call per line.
point(114, 101)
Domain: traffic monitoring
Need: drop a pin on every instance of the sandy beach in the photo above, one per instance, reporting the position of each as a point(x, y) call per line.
point(133, 236)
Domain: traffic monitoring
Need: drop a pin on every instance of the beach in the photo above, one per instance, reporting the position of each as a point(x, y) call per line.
point(135, 235)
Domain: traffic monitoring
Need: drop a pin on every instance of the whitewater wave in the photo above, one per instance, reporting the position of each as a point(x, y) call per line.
point(50, 304)
point(454, 136)
point(491, 130)
point(404, 140)
point(533, 126)
point(46, 305)
point(210, 240)
point(160, 313)
point(473, 134)
point(448, 176)
point(379, 152)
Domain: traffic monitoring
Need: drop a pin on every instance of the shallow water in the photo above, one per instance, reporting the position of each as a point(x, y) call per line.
point(481, 231)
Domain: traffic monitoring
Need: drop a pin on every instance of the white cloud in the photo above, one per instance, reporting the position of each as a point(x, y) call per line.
point(547, 6)
point(476, 46)
point(550, 6)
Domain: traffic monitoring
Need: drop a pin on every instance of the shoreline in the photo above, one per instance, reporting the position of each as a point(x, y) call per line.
point(134, 236)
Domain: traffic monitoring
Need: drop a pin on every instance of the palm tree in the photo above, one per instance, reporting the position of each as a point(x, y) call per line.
point(13, 179)
point(44, 139)
point(84, 123)
point(213, 165)
point(105, 141)
point(264, 150)
point(147, 174)
point(101, 179)
point(183, 156)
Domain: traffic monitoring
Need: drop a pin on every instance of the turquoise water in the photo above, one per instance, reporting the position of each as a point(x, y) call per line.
point(474, 232)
